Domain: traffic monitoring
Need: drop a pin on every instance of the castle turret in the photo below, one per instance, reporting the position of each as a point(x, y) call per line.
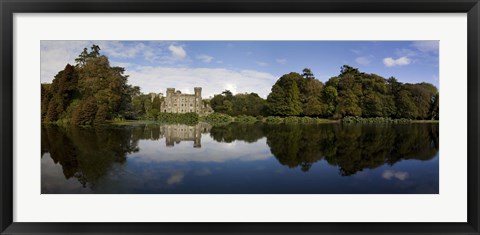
point(170, 91)
point(198, 91)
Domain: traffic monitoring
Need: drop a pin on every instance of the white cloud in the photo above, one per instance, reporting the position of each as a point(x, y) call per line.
point(176, 178)
point(363, 60)
point(177, 52)
point(426, 46)
point(213, 80)
point(205, 58)
point(151, 56)
point(391, 62)
point(281, 61)
point(117, 49)
point(406, 52)
point(261, 63)
point(400, 175)
point(154, 151)
point(356, 52)
point(54, 55)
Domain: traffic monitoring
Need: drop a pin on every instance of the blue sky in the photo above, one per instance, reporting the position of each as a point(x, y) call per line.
point(247, 66)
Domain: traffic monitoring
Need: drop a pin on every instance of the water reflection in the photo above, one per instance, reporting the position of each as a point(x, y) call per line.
point(179, 158)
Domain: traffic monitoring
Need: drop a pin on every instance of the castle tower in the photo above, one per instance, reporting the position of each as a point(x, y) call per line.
point(170, 91)
point(198, 92)
point(198, 100)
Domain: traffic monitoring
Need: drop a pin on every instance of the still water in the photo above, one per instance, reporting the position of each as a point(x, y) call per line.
point(241, 158)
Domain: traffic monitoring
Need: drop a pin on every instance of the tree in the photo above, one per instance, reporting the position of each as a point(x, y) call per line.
point(55, 110)
point(423, 95)
point(222, 103)
point(312, 93)
point(435, 110)
point(307, 74)
point(329, 97)
point(82, 58)
point(46, 96)
point(95, 51)
point(349, 93)
point(85, 113)
point(284, 100)
point(406, 105)
point(102, 115)
point(77, 91)
point(156, 103)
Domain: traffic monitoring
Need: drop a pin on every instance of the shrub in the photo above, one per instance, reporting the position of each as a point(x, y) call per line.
point(350, 119)
point(184, 118)
point(218, 118)
point(245, 119)
point(274, 120)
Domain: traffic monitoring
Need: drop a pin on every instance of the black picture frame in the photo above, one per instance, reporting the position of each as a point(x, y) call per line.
point(9, 7)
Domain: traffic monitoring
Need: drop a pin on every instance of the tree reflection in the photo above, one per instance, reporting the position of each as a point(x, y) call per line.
point(249, 133)
point(350, 147)
point(87, 153)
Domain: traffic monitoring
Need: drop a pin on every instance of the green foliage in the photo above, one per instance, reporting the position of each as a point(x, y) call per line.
point(284, 100)
point(55, 109)
point(78, 92)
point(85, 114)
point(274, 120)
point(101, 115)
point(239, 104)
point(435, 110)
point(156, 103)
point(351, 119)
point(183, 118)
point(218, 119)
point(295, 120)
point(245, 119)
point(354, 93)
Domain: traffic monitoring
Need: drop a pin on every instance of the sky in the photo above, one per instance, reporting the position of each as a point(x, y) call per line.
point(247, 66)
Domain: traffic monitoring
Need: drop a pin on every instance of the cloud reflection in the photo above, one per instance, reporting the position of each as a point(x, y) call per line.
point(211, 151)
point(400, 175)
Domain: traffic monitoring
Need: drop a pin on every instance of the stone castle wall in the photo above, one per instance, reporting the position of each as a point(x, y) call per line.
point(176, 102)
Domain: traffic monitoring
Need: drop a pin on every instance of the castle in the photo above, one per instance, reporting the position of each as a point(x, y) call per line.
point(176, 102)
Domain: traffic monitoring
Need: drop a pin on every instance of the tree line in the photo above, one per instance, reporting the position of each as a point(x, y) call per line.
point(351, 93)
point(92, 92)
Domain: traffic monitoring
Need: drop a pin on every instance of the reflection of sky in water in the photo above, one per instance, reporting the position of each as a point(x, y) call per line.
point(54, 180)
point(237, 167)
point(211, 151)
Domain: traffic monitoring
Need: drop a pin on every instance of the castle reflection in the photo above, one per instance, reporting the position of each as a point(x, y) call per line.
point(176, 133)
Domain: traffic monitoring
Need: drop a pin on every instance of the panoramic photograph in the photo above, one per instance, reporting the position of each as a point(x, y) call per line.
point(239, 117)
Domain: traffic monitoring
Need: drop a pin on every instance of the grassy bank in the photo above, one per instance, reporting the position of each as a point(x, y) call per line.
point(379, 120)
point(217, 119)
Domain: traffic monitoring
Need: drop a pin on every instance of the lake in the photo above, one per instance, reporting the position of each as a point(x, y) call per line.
point(241, 159)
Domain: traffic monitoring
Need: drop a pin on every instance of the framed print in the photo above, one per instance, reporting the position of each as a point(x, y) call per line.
point(252, 117)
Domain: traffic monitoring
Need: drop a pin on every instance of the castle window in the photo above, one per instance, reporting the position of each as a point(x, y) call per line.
point(191, 105)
